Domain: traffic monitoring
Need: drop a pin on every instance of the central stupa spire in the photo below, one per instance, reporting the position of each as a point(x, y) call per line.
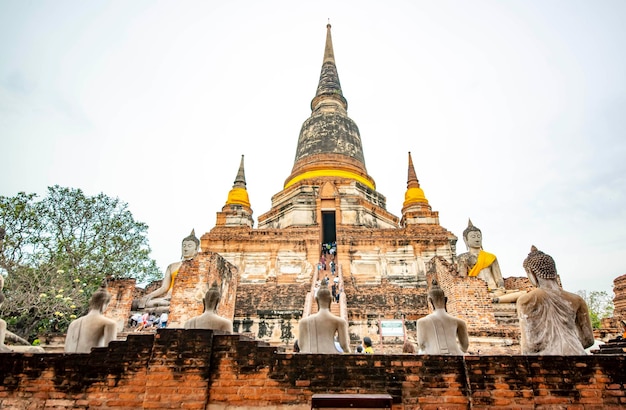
point(329, 143)
point(329, 87)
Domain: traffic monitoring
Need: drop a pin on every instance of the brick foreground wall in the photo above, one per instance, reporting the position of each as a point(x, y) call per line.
point(195, 369)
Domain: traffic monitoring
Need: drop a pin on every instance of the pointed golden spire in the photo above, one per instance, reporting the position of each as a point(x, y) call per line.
point(414, 194)
point(239, 195)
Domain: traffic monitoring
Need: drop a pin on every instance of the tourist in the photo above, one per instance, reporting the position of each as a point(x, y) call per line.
point(148, 321)
point(552, 321)
point(93, 329)
point(440, 332)
point(135, 319)
point(367, 343)
point(163, 320)
point(338, 345)
point(408, 347)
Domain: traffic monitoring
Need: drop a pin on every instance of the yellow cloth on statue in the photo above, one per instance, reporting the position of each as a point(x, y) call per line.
point(173, 279)
point(485, 259)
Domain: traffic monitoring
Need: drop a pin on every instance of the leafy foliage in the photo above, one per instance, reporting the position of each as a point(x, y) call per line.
point(58, 251)
point(600, 305)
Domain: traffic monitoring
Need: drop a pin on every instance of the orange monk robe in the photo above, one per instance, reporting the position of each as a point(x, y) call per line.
point(485, 259)
point(174, 274)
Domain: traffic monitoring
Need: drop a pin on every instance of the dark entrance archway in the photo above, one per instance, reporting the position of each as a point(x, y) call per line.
point(329, 233)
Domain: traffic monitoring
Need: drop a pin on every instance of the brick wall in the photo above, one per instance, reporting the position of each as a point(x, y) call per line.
point(193, 280)
point(365, 300)
point(270, 296)
point(122, 294)
point(196, 369)
point(468, 297)
point(519, 283)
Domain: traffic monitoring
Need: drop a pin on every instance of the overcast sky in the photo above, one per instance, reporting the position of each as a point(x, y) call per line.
point(514, 112)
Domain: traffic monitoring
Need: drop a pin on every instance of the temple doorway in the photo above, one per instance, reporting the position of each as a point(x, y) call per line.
point(329, 233)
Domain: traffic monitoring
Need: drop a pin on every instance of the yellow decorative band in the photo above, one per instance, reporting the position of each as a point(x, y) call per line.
point(330, 173)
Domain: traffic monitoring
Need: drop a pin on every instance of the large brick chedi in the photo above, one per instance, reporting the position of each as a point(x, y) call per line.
point(380, 259)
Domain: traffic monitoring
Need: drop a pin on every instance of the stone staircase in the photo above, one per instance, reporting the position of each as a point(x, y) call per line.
point(334, 308)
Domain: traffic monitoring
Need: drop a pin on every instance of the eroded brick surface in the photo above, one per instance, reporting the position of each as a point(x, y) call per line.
point(178, 368)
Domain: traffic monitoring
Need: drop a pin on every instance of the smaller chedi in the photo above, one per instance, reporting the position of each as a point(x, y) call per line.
point(93, 329)
point(158, 300)
point(552, 321)
point(478, 263)
point(316, 333)
point(210, 319)
point(440, 332)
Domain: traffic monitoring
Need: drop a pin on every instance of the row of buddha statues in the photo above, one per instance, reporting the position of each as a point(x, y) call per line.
point(96, 330)
point(552, 321)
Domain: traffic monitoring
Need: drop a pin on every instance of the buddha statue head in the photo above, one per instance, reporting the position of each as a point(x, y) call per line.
point(190, 246)
point(324, 296)
point(212, 297)
point(539, 265)
point(436, 296)
point(472, 236)
point(100, 300)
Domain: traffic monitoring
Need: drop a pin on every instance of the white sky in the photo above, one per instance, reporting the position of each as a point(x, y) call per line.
point(514, 111)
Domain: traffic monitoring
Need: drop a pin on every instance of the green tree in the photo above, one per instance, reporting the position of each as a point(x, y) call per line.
point(59, 250)
point(600, 305)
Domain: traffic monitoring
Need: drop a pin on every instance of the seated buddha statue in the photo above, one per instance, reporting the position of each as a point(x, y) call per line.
point(440, 332)
point(552, 321)
point(210, 319)
point(316, 333)
point(163, 295)
point(93, 329)
point(478, 263)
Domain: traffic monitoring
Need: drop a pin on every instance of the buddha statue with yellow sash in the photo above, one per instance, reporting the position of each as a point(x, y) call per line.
point(162, 295)
point(478, 263)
